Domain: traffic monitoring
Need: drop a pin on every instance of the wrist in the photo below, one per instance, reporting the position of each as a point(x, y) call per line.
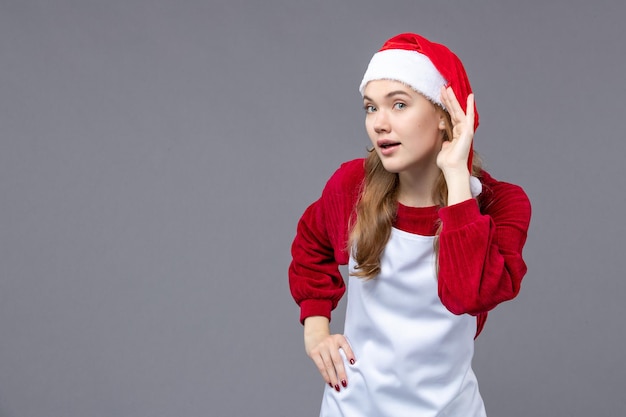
point(456, 174)
point(314, 325)
point(316, 328)
point(458, 183)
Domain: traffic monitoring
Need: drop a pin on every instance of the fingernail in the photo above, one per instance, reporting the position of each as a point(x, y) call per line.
point(351, 361)
point(344, 383)
point(330, 384)
point(337, 388)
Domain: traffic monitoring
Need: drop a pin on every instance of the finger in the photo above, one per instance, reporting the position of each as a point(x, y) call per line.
point(453, 106)
point(470, 109)
point(321, 367)
point(347, 350)
point(331, 371)
point(349, 354)
point(339, 368)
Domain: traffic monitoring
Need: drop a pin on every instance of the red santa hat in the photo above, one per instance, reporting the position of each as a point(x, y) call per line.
point(423, 65)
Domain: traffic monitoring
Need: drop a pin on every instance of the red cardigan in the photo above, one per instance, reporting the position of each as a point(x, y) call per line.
point(480, 245)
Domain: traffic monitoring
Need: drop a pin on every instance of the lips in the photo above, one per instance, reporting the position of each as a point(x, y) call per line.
point(386, 143)
point(387, 146)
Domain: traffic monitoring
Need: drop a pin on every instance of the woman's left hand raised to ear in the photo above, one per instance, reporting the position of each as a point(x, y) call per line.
point(455, 152)
point(452, 159)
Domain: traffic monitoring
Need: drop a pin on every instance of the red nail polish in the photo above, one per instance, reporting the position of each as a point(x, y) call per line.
point(337, 388)
point(351, 361)
point(330, 384)
point(344, 383)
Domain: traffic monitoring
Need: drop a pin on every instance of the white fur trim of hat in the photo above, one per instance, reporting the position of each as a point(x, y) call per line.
point(409, 67)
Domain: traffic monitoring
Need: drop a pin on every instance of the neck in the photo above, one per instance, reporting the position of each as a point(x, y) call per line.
point(416, 188)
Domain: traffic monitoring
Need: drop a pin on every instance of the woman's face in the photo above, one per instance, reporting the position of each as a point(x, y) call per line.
point(405, 128)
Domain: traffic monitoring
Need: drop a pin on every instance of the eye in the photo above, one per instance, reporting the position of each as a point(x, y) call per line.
point(369, 108)
point(399, 106)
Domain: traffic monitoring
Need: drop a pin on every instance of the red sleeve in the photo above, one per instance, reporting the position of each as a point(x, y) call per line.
point(480, 253)
point(320, 245)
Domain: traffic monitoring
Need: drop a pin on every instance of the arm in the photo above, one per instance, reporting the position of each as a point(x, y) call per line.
point(314, 278)
point(480, 254)
point(320, 244)
point(317, 286)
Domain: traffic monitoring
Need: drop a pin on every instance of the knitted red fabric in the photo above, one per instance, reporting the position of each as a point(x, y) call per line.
point(480, 255)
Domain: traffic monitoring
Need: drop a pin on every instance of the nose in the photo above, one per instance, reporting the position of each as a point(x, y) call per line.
point(381, 122)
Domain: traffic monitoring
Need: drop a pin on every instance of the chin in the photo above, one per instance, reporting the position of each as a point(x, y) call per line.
point(393, 167)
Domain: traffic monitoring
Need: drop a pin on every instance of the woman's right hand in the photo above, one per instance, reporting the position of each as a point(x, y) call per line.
point(323, 349)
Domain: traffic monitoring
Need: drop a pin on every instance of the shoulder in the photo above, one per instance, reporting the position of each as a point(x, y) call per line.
point(347, 178)
point(500, 196)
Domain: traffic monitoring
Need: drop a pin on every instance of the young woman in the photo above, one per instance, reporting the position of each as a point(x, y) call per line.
point(433, 243)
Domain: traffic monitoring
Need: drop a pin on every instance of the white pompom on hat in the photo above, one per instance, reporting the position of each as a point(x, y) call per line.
point(425, 66)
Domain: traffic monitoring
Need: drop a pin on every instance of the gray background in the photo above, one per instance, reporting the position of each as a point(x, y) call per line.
point(155, 157)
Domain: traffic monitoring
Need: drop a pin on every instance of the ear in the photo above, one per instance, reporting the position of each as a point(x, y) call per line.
point(442, 122)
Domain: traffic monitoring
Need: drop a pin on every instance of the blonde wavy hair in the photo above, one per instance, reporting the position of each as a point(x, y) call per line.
point(377, 207)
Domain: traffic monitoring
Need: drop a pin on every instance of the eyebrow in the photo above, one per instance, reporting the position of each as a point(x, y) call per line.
point(390, 94)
